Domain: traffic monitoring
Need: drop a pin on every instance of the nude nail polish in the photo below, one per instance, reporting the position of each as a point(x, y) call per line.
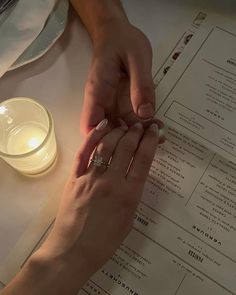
point(102, 125)
point(162, 133)
point(154, 128)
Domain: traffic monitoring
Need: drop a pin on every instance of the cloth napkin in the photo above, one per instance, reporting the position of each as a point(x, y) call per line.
point(4, 4)
point(21, 28)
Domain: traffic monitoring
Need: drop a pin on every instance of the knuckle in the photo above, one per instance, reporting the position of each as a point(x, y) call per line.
point(81, 190)
point(83, 187)
point(105, 147)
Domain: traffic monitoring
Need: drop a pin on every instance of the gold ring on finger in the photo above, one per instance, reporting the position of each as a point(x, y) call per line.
point(98, 161)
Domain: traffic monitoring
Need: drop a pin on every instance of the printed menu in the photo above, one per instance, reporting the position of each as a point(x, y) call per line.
point(184, 235)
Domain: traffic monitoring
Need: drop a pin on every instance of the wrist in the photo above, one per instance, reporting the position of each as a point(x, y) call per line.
point(110, 28)
point(99, 15)
point(58, 274)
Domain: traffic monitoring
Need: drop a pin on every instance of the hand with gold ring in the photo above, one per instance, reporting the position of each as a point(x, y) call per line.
point(96, 211)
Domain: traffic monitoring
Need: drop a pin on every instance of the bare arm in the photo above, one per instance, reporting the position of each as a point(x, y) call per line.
point(45, 274)
point(95, 14)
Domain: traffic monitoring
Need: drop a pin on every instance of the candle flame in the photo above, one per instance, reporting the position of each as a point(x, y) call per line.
point(33, 142)
point(3, 109)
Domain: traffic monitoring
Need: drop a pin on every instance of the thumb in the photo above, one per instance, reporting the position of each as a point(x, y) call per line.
point(99, 93)
point(141, 84)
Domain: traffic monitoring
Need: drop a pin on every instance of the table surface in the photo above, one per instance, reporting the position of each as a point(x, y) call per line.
point(57, 81)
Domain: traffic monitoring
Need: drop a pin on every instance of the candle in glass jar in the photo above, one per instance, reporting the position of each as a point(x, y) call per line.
point(27, 139)
point(24, 138)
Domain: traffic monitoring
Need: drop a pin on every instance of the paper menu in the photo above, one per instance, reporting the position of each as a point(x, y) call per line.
point(184, 234)
point(184, 237)
point(179, 47)
point(198, 97)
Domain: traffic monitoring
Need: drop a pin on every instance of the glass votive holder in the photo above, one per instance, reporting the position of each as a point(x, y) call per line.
point(27, 138)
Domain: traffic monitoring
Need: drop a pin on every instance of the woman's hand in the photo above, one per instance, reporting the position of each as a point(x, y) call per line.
point(96, 211)
point(99, 202)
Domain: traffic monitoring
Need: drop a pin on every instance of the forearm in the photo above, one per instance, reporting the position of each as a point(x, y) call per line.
point(96, 13)
point(43, 275)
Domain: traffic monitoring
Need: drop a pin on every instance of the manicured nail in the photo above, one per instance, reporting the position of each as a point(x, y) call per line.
point(138, 125)
point(162, 133)
point(102, 125)
point(154, 128)
point(146, 110)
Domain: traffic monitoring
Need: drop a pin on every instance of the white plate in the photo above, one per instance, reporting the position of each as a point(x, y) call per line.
point(53, 29)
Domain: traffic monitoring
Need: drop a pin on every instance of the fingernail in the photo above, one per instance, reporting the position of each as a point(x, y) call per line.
point(162, 133)
point(154, 128)
point(138, 125)
point(146, 110)
point(102, 125)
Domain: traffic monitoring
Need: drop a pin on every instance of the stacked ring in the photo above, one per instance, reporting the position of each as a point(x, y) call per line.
point(98, 161)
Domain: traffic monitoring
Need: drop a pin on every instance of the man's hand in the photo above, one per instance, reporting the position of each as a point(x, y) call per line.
point(120, 78)
point(120, 82)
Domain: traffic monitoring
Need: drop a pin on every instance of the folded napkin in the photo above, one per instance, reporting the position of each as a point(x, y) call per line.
point(5, 4)
point(21, 28)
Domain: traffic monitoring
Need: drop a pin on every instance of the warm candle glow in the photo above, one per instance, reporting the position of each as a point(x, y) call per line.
point(27, 140)
point(2, 110)
point(34, 142)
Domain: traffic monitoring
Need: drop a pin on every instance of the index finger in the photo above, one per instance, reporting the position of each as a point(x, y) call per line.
point(85, 151)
